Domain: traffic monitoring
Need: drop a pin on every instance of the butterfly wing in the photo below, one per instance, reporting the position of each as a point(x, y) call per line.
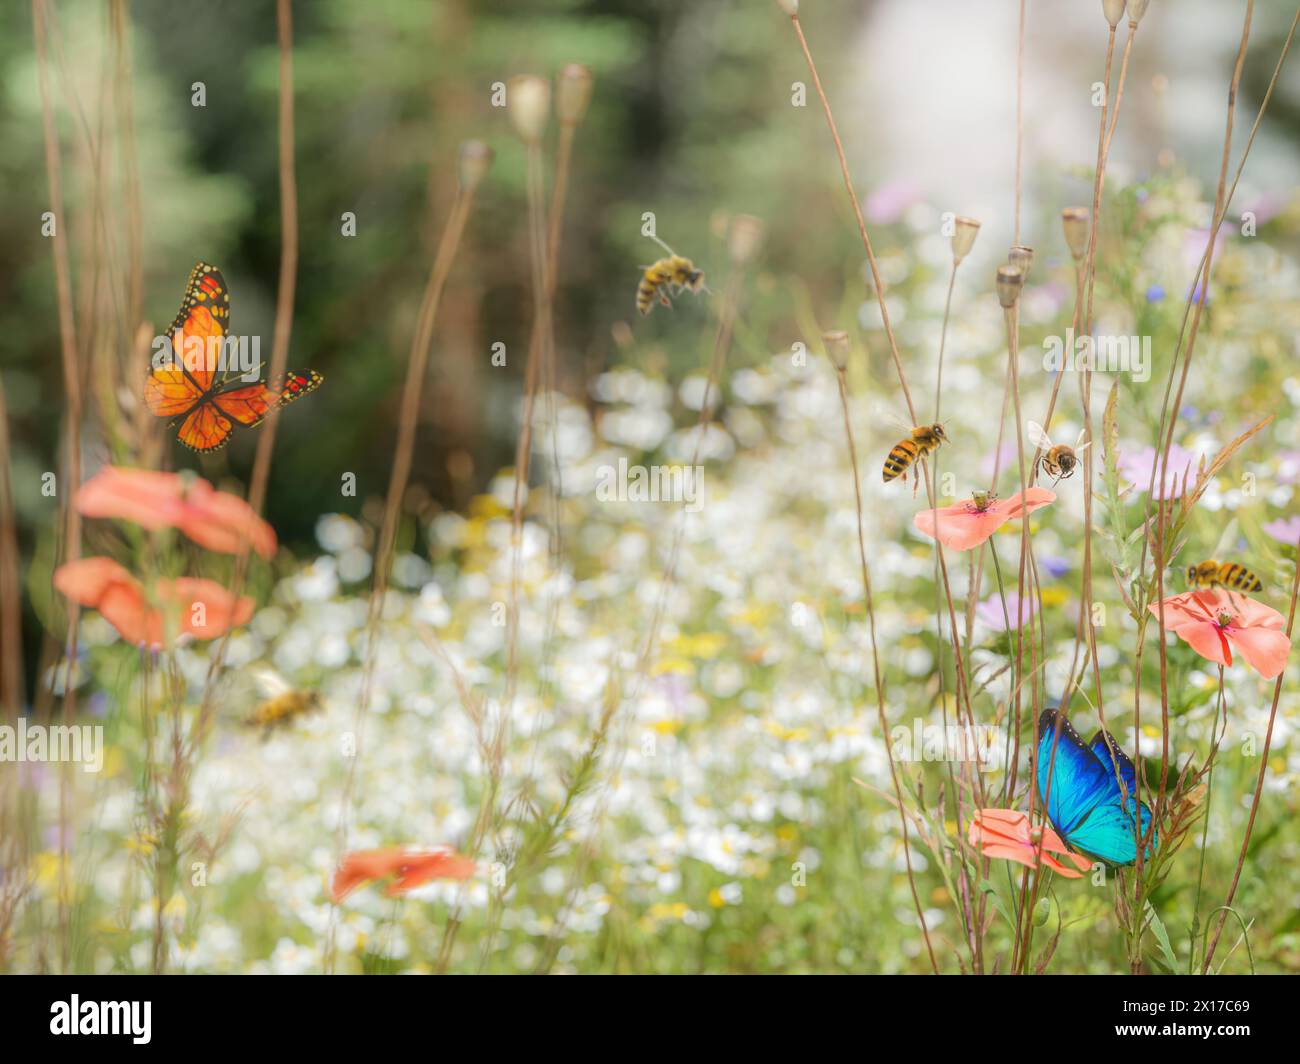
point(1078, 779)
point(249, 404)
point(206, 428)
point(1090, 813)
point(177, 388)
point(170, 392)
point(188, 386)
point(1119, 810)
point(1112, 755)
point(1107, 832)
point(199, 330)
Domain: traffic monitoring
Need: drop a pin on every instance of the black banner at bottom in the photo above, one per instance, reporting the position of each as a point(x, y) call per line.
point(338, 1013)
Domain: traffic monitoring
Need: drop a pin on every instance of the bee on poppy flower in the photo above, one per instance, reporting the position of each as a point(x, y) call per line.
point(1223, 574)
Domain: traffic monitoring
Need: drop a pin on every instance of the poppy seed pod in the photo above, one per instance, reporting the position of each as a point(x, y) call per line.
point(1074, 220)
point(746, 237)
point(963, 238)
point(1113, 10)
point(474, 162)
point(572, 93)
point(790, 7)
point(1136, 9)
point(837, 346)
point(1010, 282)
point(528, 99)
point(1021, 258)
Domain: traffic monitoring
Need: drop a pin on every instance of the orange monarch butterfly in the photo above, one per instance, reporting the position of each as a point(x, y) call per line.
point(198, 393)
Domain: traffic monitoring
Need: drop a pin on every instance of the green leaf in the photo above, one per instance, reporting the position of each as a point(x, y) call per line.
point(1110, 429)
point(1162, 938)
point(988, 888)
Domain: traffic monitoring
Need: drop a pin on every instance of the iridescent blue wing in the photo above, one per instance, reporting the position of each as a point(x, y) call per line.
point(1112, 755)
point(1079, 780)
point(1107, 832)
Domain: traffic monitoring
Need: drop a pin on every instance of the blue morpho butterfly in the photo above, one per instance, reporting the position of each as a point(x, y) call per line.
point(1086, 805)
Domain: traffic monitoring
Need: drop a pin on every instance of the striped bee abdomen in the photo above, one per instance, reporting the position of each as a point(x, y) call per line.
point(654, 277)
point(1239, 577)
point(902, 456)
point(675, 271)
point(1211, 573)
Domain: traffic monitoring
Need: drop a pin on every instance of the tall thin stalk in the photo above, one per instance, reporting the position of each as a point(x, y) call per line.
point(11, 635)
point(1020, 125)
point(529, 109)
point(840, 372)
point(475, 158)
point(963, 686)
point(283, 327)
point(70, 520)
point(288, 282)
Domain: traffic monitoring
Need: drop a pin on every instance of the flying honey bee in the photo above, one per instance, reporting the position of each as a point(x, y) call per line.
point(1057, 460)
point(282, 705)
point(671, 273)
point(923, 440)
point(1223, 574)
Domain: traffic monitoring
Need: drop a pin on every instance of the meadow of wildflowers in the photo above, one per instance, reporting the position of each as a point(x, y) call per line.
point(688, 686)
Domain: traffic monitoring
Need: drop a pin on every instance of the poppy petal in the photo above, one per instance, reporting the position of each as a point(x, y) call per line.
point(1206, 638)
point(1030, 500)
point(412, 866)
point(421, 868)
point(957, 527)
point(223, 522)
point(1020, 854)
point(124, 607)
point(1264, 649)
point(1061, 870)
point(998, 825)
point(219, 613)
point(149, 499)
point(87, 579)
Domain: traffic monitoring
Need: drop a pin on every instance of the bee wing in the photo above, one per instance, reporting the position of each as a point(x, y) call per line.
point(1037, 436)
point(887, 415)
point(270, 684)
point(1227, 545)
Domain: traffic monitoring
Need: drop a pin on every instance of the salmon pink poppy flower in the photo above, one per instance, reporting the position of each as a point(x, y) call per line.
point(970, 523)
point(1006, 833)
point(412, 867)
point(1214, 622)
point(215, 520)
point(202, 609)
